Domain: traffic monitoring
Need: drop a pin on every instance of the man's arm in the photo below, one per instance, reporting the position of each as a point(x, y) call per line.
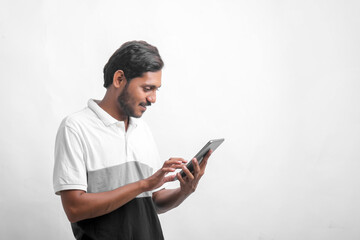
point(79, 205)
point(167, 199)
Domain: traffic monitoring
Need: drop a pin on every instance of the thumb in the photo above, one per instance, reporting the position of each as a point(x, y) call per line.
point(169, 178)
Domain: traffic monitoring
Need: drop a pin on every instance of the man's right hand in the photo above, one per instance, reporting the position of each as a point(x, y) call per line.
point(158, 179)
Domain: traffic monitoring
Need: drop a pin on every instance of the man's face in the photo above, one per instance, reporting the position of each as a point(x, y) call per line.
point(139, 93)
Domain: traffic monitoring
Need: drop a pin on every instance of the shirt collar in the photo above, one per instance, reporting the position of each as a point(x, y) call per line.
point(106, 118)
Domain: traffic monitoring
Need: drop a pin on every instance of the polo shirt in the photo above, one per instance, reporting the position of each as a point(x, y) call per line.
point(94, 153)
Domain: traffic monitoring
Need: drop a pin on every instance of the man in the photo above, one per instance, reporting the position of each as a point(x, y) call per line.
point(107, 167)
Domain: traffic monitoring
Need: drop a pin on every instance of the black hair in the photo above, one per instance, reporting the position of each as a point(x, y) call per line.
point(134, 58)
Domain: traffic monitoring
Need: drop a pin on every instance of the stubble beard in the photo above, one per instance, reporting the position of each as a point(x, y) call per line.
point(125, 103)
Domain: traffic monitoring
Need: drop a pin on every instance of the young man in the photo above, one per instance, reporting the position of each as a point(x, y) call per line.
point(107, 167)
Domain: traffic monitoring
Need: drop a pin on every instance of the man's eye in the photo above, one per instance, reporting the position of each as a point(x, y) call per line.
point(148, 89)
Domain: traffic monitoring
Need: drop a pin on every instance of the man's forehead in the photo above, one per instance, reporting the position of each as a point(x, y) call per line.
point(151, 79)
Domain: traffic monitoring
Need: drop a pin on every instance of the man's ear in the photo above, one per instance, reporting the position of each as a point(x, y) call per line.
point(119, 79)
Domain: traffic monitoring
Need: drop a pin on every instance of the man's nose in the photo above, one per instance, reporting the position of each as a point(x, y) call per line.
point(152, 97)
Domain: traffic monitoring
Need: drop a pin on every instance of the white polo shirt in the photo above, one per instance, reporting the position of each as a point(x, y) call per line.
point(94, 153)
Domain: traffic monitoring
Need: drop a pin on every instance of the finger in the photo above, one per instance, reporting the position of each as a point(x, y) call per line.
point(188, 173)
point(172, 165)
point(168, 169)
point(208, 154)
point(178, 159)
point(177, 166)
point(196, 167)
point(174, 161)
point(183, 160)
point(205, 160)
point(169, 178)
point(179, 177)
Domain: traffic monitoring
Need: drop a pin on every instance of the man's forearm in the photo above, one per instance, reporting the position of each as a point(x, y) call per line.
point(168, 199)
point(80, 205)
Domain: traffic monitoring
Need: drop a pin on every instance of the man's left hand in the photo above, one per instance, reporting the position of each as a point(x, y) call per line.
point(189, 183)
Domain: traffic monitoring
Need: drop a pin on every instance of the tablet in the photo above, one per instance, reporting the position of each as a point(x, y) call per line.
point(211, 145)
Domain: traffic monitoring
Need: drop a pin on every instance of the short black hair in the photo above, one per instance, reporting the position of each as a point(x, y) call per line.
point(134, 58)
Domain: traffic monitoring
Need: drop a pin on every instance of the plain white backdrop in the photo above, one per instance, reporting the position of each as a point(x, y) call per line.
point(279, 80)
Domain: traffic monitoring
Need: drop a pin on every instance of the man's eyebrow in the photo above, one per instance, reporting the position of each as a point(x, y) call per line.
point(151, 86)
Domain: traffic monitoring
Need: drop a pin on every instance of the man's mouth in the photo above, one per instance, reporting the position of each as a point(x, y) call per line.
point(144, 105)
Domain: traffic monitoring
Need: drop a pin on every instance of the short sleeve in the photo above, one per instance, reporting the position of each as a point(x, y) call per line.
point(69, 168)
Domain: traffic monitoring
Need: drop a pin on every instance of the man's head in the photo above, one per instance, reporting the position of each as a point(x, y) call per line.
point(132, 76)
point(134, 58)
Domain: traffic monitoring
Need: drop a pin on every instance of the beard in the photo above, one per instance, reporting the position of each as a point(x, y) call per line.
point(128, 104)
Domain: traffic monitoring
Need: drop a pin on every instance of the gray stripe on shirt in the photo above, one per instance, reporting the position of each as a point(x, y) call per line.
point(108, 179)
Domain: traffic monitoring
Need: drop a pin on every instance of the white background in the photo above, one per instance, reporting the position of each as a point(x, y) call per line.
point(279, 80)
